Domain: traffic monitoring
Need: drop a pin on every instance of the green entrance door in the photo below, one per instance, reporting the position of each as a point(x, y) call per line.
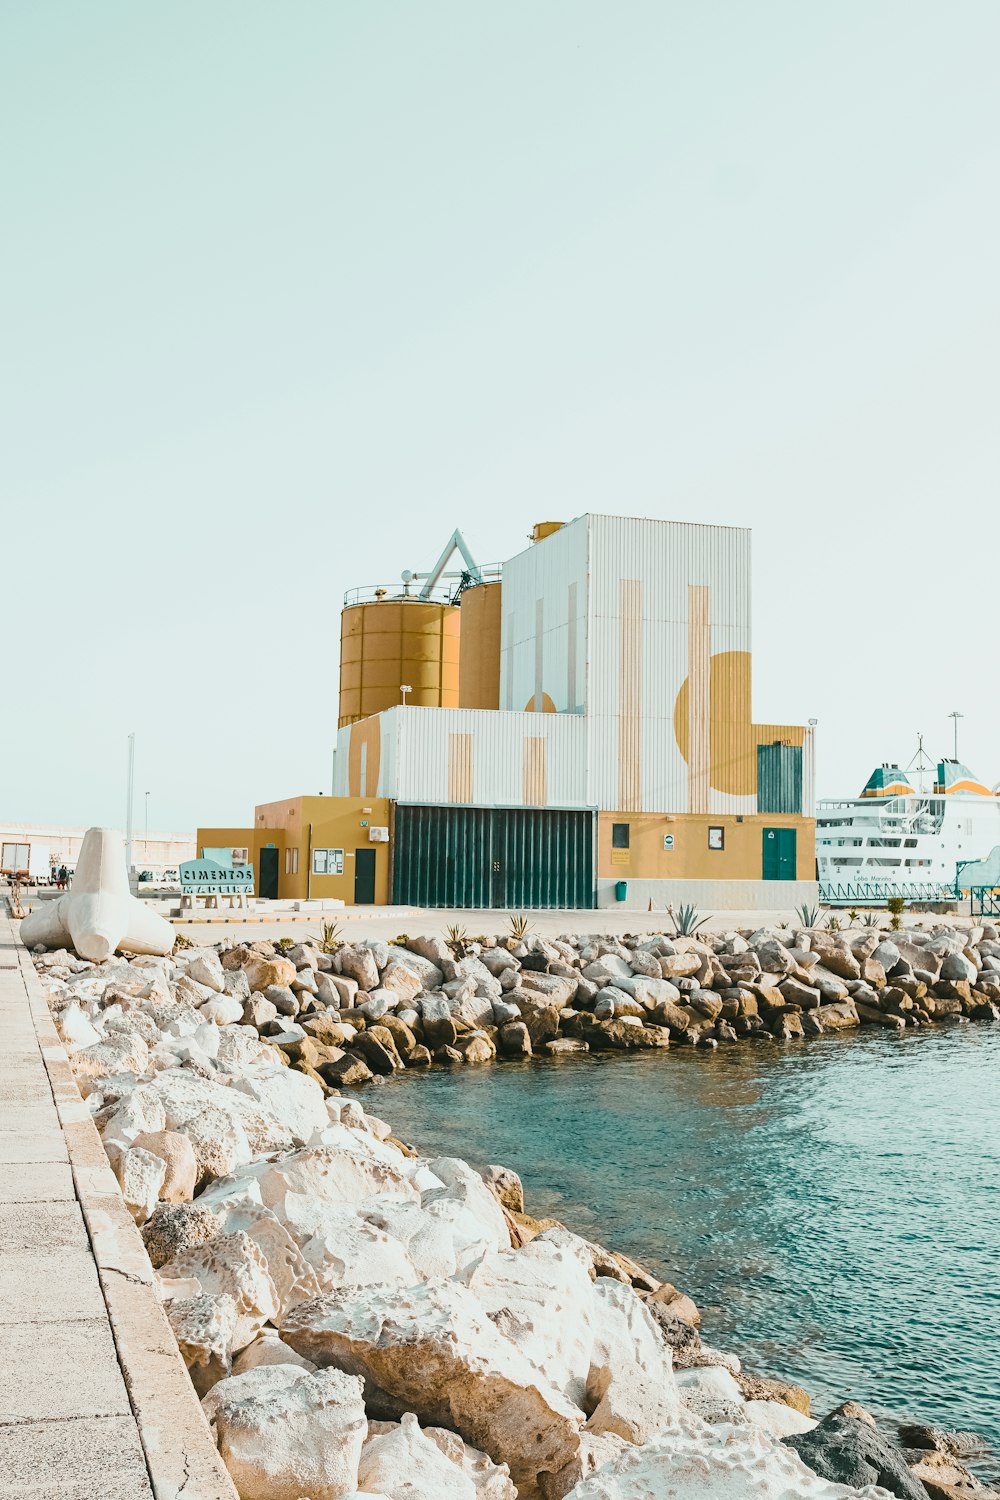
point(779, 854)
point(267, 875)
point(364, 877)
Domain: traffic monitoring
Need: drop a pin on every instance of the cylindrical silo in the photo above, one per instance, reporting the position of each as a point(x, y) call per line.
point(479, 672)
point(390, 641)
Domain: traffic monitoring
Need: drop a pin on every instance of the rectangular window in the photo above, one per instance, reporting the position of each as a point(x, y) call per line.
point(288, 861)
point(619, 835)
point(716, 837)
point(295, 861)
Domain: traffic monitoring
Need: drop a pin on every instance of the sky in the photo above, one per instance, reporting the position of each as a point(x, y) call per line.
point(290, 291)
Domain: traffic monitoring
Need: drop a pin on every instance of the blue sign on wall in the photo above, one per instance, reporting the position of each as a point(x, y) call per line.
point(206, 877)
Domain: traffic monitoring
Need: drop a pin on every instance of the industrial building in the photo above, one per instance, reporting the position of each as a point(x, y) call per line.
point(572, 729)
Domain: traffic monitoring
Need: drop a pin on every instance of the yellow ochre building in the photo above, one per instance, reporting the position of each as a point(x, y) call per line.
point(573, 729)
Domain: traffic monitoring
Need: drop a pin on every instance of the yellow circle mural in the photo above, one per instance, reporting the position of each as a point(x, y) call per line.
point(732, 736)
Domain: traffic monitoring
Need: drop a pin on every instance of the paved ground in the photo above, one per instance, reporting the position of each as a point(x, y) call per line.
point(94, 1402)
point(388, 921)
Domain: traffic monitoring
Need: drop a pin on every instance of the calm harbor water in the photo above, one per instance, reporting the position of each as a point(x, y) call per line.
point(833, 1208)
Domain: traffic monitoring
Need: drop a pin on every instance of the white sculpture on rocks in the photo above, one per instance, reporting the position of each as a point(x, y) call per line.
point(99, 914)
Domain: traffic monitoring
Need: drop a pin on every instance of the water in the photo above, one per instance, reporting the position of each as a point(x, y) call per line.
point(833, 1208)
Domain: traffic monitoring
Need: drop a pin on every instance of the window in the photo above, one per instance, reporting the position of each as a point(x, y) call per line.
point(716, 837)
point(288, 861)
point(295, 861)
point(240, 856)
point(619, 835)
point(328, 861)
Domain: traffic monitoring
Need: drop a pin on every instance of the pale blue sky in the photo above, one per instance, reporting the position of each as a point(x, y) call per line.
point(291, 290)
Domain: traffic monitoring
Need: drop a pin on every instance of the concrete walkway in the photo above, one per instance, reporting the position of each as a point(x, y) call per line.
point(95, 1403)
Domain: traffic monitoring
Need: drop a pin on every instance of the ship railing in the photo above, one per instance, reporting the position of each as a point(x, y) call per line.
point(878, 892)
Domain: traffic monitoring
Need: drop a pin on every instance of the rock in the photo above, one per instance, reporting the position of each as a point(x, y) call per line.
point(176, 1153)
point(431, 1349)
point(679, 965)
point(204, 1327)
point(205, 967)
point(775, 1417)
point(232, 1264)
point(439, 1028)
point(958, 1444)
point(515, 1040)
point(711, 1393)
point(258, 1011)
point(304, 983)
point(359, 964)
point(837, 1017)
point(284, 1432)
point(224, 1010)
point(620, 1034)
point(649, 992)
point(504, 1011)
point(140, 1176)
point(957, 967)
point(839, 961)
point(748, 1465)
point(805, 996)
point(506, 1187)
point(268, 1348)
point(563, 1046)
point(554, 989)
point(765, 1388)
point(376, 1046)
point(406, 1461)
point(292, 1098)
point(476, 1047)
point(850, 1450)
point(262, 972)
point(402, 981)
point(350, 1070)
point(172, 1230)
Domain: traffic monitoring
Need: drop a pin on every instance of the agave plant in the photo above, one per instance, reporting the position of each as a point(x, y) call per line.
point(519, 926)
point(456, 939)
point(870, 919)
point(329, 939)
point(283, 944)
point(852, 916)
point(686, 919)
point(832, 923)
point(807, 915)
point(180, 941)
point(400, 940)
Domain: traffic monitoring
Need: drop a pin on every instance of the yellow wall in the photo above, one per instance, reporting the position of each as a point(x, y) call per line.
point(691, 858)
point(479, 663)
point(395, 641)
point(252, 839)
point(308, 823)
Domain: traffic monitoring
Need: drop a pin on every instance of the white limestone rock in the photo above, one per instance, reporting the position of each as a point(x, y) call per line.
point(204, 1327)
point(711, 1393)
point(268, 1348)
point(430, 1349)
point(180, 1165)
point(140, 1176)
point(75, 1029)
point(779, 1420)
point(232, 1264)
point(541, 1298)
point(204, 966)
point(224, 1010)
point(732, 1463)
point(402, 1459)
point(291, 1097)
point(294, 1278)
point(285, 1433)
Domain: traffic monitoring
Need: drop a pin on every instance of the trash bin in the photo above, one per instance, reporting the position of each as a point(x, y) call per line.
point(621, 890)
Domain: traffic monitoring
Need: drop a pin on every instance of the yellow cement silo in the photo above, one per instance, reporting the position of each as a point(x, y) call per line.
point(479, 671)
point(387, 642)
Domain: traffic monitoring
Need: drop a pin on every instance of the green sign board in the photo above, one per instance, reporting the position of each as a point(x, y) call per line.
point(206, 877)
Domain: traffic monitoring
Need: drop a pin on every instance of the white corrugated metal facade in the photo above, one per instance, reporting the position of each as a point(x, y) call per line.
point(622, 630)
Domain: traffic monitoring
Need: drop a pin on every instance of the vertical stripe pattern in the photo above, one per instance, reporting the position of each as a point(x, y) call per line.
point(699, 697)
point(460, 768)
point(629, 694)
point(539, 626)
point(571, 649)
point(535, 771)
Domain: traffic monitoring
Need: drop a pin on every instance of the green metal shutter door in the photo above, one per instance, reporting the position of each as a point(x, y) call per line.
point(493, 857)
point(779, 778)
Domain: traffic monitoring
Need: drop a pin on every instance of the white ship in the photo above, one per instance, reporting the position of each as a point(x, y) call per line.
point(896, 840)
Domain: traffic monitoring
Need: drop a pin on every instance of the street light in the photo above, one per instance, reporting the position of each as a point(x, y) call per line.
point(404, 688)
point(145, 852)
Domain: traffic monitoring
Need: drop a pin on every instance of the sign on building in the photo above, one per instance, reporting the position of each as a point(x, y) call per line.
point(328, 861)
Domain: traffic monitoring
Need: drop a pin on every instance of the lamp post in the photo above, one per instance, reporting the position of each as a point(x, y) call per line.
point(404, 688)
point(128, 803)
point(145, 851)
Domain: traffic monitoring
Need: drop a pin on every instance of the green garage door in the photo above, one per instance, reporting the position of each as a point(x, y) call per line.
point(509, 857)
point(779, 854)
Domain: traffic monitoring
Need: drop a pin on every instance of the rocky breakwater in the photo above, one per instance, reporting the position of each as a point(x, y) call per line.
point(359, 1320)
point(372, 1008)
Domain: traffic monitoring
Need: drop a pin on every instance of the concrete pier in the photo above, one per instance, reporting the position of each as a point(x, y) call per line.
point(94, 1398)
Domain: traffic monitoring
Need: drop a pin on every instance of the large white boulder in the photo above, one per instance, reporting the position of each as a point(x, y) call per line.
point(235, 1265)
point(99, 914)
point(405, 1460)
point(296, 1100)
point(284, 1432)
point(722, 1463)
point(432, 1350)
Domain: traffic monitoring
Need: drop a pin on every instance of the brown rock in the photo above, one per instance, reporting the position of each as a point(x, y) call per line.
point(262, 972)
point(515, 1039)
point(350, 1069)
